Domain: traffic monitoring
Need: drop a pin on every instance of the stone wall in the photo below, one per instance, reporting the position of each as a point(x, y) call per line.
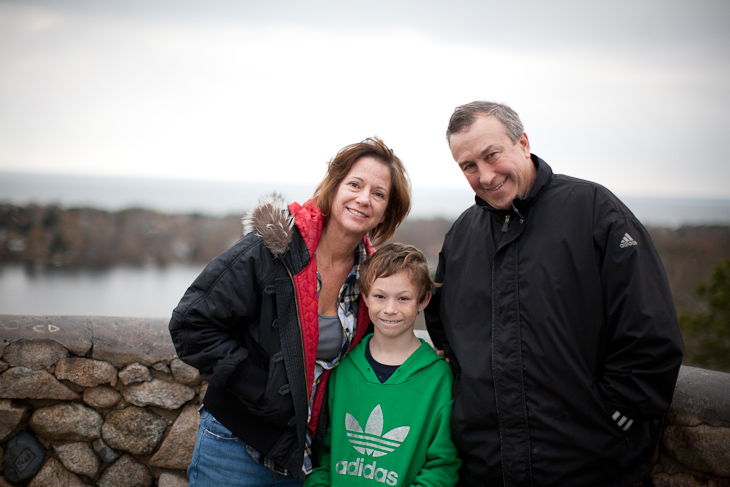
point(694, 449)
point(98, 401)
point(107, 398)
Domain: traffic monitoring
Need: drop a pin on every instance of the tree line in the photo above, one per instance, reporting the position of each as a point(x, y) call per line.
point(49, 235)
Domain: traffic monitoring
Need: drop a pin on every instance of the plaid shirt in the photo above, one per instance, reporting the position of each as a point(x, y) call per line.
point(347, 308)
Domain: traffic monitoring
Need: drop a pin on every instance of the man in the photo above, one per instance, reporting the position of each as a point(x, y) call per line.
point(556, 316)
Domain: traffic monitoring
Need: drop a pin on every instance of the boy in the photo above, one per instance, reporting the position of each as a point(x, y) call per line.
point(390, 398)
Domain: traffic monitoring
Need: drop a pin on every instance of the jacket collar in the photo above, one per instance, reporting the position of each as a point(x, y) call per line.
point(274, 221)
point(519, 204)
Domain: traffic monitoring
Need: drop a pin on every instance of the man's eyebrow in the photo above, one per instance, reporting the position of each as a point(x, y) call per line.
point(489, 149)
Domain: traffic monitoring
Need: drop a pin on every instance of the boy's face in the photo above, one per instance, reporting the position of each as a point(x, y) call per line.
point(393, 304)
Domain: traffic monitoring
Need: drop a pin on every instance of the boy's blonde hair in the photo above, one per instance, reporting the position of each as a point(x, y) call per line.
point(393, 258)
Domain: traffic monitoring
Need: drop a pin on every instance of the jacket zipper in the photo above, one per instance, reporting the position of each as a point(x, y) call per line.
point(506, 223)
point(299, 322)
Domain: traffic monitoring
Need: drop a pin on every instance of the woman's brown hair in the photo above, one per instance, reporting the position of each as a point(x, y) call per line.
point(399, 200)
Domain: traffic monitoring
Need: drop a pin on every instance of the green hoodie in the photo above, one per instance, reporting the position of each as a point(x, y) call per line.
point(397, 433)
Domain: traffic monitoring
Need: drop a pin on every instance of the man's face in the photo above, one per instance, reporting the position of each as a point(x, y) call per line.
point(496, 169)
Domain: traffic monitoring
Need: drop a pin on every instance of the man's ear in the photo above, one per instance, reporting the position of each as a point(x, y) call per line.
point(422, 305)
point(525, 144)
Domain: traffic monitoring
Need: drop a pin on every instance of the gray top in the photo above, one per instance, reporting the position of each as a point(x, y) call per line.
point(330, 338)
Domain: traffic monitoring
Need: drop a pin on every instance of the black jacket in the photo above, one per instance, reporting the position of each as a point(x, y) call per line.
point(561, 329)
point(249, 324)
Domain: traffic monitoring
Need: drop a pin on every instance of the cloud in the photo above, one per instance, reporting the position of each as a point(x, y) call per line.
point(629, 94)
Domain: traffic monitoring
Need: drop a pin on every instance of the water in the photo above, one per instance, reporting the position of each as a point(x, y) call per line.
point(234, 197)
point(149, 292)
point(154, 292)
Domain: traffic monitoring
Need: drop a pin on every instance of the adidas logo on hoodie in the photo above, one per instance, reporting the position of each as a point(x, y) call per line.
point(373, 443)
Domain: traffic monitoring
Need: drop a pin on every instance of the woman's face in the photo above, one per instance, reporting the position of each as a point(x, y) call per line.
point(362, 197)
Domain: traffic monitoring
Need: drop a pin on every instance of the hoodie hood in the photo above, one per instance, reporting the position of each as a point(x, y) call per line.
point(419, 361)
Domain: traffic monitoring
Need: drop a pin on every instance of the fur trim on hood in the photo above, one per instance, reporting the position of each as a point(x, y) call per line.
point(271, 221)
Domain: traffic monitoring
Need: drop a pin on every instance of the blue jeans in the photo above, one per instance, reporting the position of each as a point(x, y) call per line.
point(220, 459)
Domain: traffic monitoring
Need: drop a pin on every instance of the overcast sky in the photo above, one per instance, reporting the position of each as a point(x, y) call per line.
point(633, 94)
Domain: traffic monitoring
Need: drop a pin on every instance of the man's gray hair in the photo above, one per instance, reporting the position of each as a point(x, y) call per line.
point(465, 115)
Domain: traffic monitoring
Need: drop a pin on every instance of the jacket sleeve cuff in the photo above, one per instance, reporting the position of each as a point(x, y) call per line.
point(622, 421)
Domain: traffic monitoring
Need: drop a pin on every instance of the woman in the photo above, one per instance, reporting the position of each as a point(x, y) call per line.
point(268, 318)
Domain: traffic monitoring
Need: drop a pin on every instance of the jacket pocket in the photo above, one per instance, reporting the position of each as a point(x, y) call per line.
point(608, 419)
point(276, 404)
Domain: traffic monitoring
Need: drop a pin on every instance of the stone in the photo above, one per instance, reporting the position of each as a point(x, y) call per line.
point(161, 370)
point(176, 451)
point(72, 332)
point(185, 373)
point(86, 372)
point(24, 457)
point(701, 397)
point(25, 383)
point(10, 417)
point(124, 341)
point(134, 430)
point(78, 458)
point(167, 395)
point(703, 448)
point(101, 397)
point(666, 464)
point(161, 367)
point(126, 472)
point(170, 415)
point(53, 474)
point(34, 354)
point(203, 390)
point(107, 454)
point(677, 480)
point(4, 366)
point(74, 422)
point(168, 479)
point(134, 373)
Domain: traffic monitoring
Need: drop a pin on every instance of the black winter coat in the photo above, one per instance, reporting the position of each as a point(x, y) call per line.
point(561, 329)
point(249, 324)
